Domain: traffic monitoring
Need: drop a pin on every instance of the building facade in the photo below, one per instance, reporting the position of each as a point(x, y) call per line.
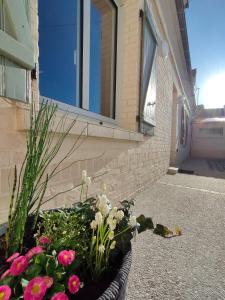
point(123, 66)
point(208, 129)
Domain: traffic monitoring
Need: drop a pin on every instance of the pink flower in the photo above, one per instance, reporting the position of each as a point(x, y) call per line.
point(74, 284)
point(5, 292)
point(44, 240)
point(34, 251)
point(48, 281)
point(19, 265)
point(66, 257)
point(5, 274)
point(36, 289)
point(60, 296)
point(12, 257)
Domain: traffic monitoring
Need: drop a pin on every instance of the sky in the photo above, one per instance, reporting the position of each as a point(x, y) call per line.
point(206, 30)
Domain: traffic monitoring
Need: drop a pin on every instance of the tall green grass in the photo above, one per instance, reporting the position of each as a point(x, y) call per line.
point(44, 140)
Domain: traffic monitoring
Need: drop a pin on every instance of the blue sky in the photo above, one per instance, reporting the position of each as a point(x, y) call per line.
point(206, 29)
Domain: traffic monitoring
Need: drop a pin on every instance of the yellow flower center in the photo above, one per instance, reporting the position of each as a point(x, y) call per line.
point(36, 289)
point(18, 265)
point(74, 283)
point(2, 294)
point(65, 257)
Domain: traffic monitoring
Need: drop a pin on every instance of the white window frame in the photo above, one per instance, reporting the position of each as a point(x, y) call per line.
point(17, 50)
point(86, 68)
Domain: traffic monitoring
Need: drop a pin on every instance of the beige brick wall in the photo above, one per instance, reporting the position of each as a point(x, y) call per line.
point(128, 165)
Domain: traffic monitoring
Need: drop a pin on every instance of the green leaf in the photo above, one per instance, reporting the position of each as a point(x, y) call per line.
point(7, 281)
point(58, 288)
point(24, 282)
point(51, 266)
point(33, 271)
point(59, 276)
point(145, 223)
point(40, 259)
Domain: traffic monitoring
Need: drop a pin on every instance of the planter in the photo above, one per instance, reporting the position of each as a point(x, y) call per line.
point(116, 289)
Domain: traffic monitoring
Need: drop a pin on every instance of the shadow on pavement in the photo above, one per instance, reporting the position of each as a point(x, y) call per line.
point(204, 167)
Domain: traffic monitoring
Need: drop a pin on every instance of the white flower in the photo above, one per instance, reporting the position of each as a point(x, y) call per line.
point(112, 246)
point(101, 248)
point(111, 235)
point(88, 181)
point(93, 224)
point(113, 212)
point(132, 221)
point(98, 218)
point(119, 215)
point(102, 205)
point(102, 200)
point(84, 176)
point(104, 209)
point(104, 188)
point(112, 223)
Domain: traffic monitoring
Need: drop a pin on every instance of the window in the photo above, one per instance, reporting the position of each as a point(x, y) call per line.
point(77, 44)
point(148, 73)
point(211, 132)
point(16, 50)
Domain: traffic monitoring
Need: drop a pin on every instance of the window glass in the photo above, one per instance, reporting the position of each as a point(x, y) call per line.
point(58, 46)
point(77, 46)
point(102, 57)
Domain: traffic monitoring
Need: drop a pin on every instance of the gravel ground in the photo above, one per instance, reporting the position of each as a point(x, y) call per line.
point(191, 266)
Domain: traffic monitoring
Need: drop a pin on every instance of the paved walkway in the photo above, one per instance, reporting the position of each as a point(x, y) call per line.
point(191, 266)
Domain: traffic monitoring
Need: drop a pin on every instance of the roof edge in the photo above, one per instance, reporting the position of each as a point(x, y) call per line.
point(181, 5)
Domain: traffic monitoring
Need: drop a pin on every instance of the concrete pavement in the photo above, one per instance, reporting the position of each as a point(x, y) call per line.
point(191, 266)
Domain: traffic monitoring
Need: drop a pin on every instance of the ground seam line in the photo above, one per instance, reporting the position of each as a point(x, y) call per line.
point(191, 188)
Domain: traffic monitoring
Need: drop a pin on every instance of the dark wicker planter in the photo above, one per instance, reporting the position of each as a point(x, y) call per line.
point(117, 288)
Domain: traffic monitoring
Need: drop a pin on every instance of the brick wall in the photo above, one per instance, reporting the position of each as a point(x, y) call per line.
point(130, 161)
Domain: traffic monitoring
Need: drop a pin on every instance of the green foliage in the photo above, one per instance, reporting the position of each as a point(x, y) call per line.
point(66, 229)
point(145, 223)
point(43, 144)
point(162, 230)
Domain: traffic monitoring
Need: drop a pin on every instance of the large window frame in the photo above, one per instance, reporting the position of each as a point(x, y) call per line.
point(82, 108)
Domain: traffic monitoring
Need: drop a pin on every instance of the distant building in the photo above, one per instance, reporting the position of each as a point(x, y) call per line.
point(208, 133)
point(122, 65)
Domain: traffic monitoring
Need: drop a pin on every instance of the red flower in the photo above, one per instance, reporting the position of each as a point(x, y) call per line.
point(5, 292)
point(34, 251)
point(19, 265)
point(66, 257)
point(48, 280)
point(5, 274)
point(60, 296)
point(36, 289)
point(74, 284)
point(44, 240)
point(12, 257)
